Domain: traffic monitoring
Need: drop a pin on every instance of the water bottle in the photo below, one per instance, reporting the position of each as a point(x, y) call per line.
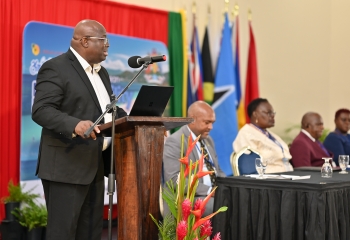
point(326, 170)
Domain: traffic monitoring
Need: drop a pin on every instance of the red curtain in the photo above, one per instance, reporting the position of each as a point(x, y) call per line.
point(14, 15)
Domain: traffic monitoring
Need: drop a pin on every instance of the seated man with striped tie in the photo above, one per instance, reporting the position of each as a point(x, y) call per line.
point(306, 149)
point(204, 117)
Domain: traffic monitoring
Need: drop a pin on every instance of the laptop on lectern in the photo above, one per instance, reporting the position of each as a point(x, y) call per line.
point(151, 101)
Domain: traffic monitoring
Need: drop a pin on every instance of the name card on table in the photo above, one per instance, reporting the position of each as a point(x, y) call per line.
point(280, 176)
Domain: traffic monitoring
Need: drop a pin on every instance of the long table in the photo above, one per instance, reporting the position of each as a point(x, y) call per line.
point(281, 209)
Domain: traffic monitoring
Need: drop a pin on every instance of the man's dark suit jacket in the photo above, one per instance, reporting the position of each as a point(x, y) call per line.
point(64, 96)
point(305, 152)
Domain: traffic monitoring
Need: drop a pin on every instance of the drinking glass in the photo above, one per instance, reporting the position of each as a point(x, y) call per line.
point(343, 163)
point(260, 166)
point(326, 169)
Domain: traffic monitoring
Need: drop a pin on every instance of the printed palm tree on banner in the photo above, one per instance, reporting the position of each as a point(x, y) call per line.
point(195, 72)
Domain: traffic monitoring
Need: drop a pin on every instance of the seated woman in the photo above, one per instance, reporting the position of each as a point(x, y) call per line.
point(338, 141)
point(256, 135)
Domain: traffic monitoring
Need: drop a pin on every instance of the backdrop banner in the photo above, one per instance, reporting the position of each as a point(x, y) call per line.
point(37, 50)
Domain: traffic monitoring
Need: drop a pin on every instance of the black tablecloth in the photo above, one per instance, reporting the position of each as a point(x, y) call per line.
point(313, 209)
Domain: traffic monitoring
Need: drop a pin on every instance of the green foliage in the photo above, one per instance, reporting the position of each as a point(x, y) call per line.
point(16, 194)
point(185, 218)
point(167, 228)
point(170, 197)
point(32, 215)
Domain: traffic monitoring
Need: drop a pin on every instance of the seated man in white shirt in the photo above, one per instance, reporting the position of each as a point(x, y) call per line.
point(204, 117)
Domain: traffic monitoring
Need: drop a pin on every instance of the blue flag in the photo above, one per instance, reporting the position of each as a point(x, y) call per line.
point(225, 128)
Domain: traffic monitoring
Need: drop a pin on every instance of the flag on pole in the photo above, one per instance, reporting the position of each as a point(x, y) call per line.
point(175, 46)
point(225, 127)
point(208, 77)
point(251, 86)
point(195, 73)
point(185, 63)
point(240, 103)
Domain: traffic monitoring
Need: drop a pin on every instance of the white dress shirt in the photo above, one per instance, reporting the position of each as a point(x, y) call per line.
point(100, 90)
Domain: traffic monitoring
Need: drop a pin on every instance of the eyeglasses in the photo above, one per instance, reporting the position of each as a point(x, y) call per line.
point(105, 40)
point(270, 114)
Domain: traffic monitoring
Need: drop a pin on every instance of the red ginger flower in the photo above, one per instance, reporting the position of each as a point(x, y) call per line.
point(186, 209)
point(198, 211)
point(181, 230)
point(206, 229)
point(197, 205)
point(217, 236)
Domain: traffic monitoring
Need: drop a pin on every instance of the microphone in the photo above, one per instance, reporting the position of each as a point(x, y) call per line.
point(137, 61)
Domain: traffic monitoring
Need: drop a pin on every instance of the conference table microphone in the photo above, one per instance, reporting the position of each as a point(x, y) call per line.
point(137, 61)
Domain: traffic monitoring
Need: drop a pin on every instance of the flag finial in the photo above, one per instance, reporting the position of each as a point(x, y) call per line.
point(208, 16)
point(226, 5)
point(249, 14)
point(235, 10)
point(194, 6)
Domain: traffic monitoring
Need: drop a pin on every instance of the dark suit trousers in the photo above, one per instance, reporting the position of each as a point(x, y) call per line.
point(75, 212)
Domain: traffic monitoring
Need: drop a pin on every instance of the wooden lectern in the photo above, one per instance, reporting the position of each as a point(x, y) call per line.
point(139, 143)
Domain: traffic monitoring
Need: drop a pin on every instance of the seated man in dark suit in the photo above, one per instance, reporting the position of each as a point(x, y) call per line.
point(306, 149)
point(204, 117)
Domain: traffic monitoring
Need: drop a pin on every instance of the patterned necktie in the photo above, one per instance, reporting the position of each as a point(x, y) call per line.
point(208, 164)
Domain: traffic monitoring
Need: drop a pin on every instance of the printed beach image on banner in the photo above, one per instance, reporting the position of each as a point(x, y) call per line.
point(38, 49)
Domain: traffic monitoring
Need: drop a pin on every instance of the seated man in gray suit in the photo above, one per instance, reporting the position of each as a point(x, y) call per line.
point(204, 117)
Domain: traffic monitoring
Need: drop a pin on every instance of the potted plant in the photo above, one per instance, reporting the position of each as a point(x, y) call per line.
point(15, 198)
point(34, 217)
point(186, 220)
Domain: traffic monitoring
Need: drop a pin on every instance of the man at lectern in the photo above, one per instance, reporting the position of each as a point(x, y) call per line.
point(72, 91)
point(204, 117)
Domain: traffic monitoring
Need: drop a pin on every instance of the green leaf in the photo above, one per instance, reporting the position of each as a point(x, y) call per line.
point(16, 194)
point(32, 215)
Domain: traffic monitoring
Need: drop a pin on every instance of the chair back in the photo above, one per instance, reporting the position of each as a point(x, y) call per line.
point(243, 161)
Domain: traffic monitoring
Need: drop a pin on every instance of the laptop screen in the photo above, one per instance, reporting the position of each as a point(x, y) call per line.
point(151, 101)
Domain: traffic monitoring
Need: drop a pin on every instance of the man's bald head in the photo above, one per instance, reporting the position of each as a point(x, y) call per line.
point(313, 124)
point(91, 49)
point(85, 28)
point(204, 117)
point(198, 106)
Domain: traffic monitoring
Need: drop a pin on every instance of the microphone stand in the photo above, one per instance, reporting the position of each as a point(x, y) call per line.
point(111, 177)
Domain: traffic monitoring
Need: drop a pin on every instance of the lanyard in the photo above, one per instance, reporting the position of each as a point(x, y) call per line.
point(265, 132)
